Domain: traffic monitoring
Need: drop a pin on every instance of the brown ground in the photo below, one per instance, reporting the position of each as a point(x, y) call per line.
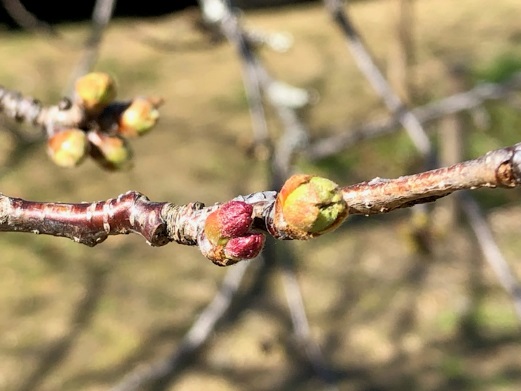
point(387, 317)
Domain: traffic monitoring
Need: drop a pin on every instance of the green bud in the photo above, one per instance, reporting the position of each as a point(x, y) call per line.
point(68, 147)
point(111, 152)
point(310, 206)
point(139, 117)
point(95, 90)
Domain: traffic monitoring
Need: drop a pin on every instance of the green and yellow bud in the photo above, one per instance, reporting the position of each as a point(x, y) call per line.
point(139, 117)
point(308, 206)
point(111, 152)
point(68, 147)
point(95, 90)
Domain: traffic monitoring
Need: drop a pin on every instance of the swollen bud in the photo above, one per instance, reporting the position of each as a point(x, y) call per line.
point(95, 91)
point(139, 117)
point(68, 147)
point(308, 206)
point(226, 238)
point(230, 220)
point(111, 152)
point(244, 247)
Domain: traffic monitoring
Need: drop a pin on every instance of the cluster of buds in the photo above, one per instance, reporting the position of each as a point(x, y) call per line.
point(306, 207)
point(105, 127)
point(228, 237)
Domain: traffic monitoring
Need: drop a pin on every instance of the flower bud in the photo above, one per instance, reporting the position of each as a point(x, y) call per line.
point(226, 238)
point(231, 219)
point(308, 206)
point(244, 247)
point(111, 152)
point(95, 91)
point(139, 117)
point(232, 250)
point(68, 147)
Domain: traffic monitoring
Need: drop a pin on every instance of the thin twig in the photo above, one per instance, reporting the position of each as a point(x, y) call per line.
point(491, 251)
point(194, 339)
point(101, 16)
point(258, 81)
point(369, 68)
point(295, 136)
point(28, 20)
point(300, 322)
point(229, 25)
point(288, 144)
point(453, 104)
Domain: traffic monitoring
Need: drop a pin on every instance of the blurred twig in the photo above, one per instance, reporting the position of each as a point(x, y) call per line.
point(300, 321)
point(369, 68)
point(491, 251)
point(194, 339)
point(292, 140)
point(227, 22)
point(101, 16)
point(453, 104)
point(28, 20)
point(452, 136)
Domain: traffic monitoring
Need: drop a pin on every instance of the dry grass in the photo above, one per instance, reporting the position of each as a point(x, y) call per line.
point(76, 318)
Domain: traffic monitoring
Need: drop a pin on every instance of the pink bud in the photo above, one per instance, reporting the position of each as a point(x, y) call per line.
point(235, 218)
point(232, 219)
point(226, 238)
point(244, 247)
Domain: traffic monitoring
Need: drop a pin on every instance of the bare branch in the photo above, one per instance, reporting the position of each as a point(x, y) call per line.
point(162, 222)
point(499, 168)
point(101, 16)
point(198, 334)
point(27, 20)
point(368, 66)
point(227, 22)
point(27, 109)
point(492, 252)
point(430, 112)
point(86, 223)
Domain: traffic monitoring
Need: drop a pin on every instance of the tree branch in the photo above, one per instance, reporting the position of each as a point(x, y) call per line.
point(499, 168)
point(196, 336)
point(101, 16)
point(263, 212)
point(453, 104)
point(368, 67)
point(28, 20)
point(491, 251)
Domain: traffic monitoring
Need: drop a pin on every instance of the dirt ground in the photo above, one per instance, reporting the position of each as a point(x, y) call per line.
point(386, 315)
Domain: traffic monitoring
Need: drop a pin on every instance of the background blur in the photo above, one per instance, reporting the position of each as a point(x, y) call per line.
point(395, 304)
